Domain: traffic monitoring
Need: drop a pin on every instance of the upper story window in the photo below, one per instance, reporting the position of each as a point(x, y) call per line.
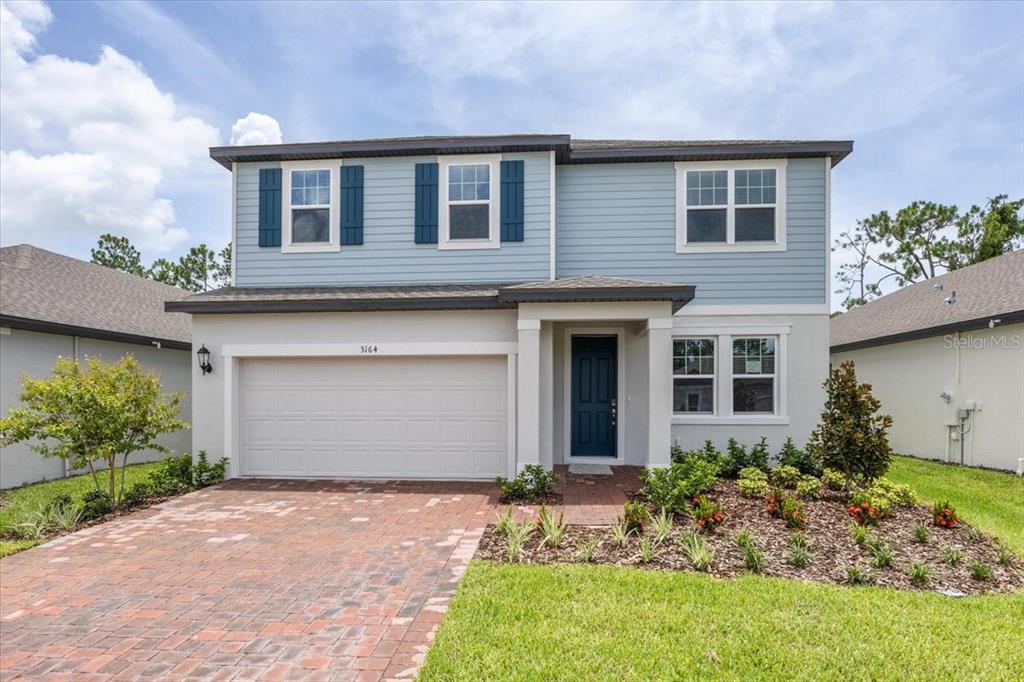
point(469, 215)
point(310, 220)
point(311, 206)
point(726, 206)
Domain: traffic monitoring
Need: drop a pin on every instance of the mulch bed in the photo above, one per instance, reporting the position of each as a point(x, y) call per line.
point(831, 548)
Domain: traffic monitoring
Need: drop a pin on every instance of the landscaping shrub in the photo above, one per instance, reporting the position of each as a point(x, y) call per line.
point(919, 573)
point(785, 476)
point(753, 482)
point(791, 455)
point(634, 514)
point(789, 509)
point(137, 494)
point(95, 504)
point(867, 510)
point(707, 513)
point(204, 473)
point(833, 480)
point(897, 494)
point(737, 458)
point(799, 557)
point(661, 526)
point(944, 515)
point(851, 437)
point(173, 475)
point(647, 550)
point(921, 533)
point(620, 532)
point(552, 531)
point(952, 556)
point(859, 534)
point(504, 521)
point(857, 576)
point(533, 484)
point(881, 552)
point(708, 453)
point(698, 551)
point(808, 488)
point(670, 488)
point(1004, 556)
point(979, 571)
point(585, 552)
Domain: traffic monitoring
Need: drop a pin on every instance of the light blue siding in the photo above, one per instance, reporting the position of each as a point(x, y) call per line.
point(388, 254)
point(619, 220)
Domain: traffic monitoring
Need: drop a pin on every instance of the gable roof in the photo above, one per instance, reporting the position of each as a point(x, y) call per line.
point(428, 296)
point(992, 289)
point(45, 291)
point(566, 149)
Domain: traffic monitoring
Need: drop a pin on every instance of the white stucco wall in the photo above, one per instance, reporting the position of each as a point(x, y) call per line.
point(986, 366)
point(34, 353)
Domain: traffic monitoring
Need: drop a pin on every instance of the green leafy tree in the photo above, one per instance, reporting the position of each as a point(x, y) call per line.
point(924, 240)
point(197, 269)
point(852, 437)
point(119, 254)
point(163, 270)
point(96, 413)
point(222, 273)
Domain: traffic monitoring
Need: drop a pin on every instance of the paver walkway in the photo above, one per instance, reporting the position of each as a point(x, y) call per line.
point(272, 580)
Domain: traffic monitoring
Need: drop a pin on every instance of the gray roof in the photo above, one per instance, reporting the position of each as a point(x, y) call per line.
point(428, 296)
point(46, 291)
point(992, 289)
point(566, 149)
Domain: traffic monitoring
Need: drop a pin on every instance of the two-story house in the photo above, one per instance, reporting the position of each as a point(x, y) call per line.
point(459, 307)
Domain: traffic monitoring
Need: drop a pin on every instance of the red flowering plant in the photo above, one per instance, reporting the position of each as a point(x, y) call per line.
point(944, 515)
point(864, 510)
point(787, 508)
point(707, 513)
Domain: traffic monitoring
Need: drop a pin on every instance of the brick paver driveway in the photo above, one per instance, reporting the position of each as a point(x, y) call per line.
point(270, 579)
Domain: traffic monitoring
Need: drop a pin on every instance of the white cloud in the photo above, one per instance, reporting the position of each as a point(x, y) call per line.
point(256, 129)
point(89, 147)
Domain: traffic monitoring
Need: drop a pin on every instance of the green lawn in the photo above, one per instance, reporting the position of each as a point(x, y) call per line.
point(990, 500)
point(14, 503)
point(609, 623)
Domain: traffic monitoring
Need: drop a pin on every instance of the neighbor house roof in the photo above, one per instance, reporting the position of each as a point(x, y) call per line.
point(566, 149)
point(45, 291)
point(990, 290)
point(429, 296)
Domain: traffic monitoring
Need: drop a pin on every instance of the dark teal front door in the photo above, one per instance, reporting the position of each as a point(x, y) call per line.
point(594, 378)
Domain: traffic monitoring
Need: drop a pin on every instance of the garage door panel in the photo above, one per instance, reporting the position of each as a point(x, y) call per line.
point(387, 417)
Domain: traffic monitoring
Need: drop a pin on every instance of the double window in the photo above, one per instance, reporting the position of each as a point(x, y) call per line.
point(469, 211)
point(747, 377)
point(725, 206)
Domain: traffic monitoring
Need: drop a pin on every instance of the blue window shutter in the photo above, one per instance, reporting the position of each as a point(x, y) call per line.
point(426, 203)
point(351, 204)
point(511, 201)
point(270, 207)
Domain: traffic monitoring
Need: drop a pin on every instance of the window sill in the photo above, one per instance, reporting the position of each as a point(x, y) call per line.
point(736, 247)
point(310, 247)
point(466, 244)
point(732, 420)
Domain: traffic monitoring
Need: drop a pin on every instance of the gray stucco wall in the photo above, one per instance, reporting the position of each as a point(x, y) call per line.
point(34, 353)
point(620, 220)
point(388, 254)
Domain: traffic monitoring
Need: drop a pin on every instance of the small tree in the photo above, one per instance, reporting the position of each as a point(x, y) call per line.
point(95, 413)
point(851, 437)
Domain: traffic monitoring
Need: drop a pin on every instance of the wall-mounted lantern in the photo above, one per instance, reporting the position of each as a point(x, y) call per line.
point(204, 360)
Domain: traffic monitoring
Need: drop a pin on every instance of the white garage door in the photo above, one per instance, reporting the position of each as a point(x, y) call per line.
point(426, 417)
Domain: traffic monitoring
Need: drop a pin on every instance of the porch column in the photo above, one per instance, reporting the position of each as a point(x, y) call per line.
point(547, 395)
point(659, 381)
point(528, 395)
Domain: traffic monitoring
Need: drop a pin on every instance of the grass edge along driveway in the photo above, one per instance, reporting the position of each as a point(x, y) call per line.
point(609, 623)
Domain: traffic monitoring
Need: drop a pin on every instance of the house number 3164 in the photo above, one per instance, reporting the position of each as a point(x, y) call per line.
point(368, 350)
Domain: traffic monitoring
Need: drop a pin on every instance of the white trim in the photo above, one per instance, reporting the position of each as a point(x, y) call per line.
point(691, 310)
point(731, 420)
point(620, 395)
point(444, 242)
point(527, 324)
point(552, 239)
point(234, 219)
point(334, 209)
point(705, 330)
point(284, 350)
point(230, 373)
point(731, 245)
point(513, 414)
point(828, 233)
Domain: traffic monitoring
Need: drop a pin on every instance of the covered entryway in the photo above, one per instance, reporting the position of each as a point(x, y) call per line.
point(391, 417)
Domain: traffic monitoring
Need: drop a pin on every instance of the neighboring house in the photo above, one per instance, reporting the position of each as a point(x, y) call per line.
point(461, 307)
point(946, 359)
point(53, 306)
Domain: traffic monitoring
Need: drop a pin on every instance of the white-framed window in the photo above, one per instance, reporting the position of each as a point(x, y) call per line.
point(730, 374)
point(470, 203)
point(754, 386)
point(726, 206)
point(693, 375)
point(310, 220)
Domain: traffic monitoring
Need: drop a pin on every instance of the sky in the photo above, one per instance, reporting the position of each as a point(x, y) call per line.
point(107, 110)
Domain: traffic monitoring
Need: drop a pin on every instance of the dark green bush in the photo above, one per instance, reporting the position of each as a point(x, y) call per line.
point(673, 487)
point(791, 455)
point(738, 457)
point(173, 475)
point(204, 473)
point(634, 515)
point(95, 504)
point(137, 494)
point(708, 453)
point(59, 502)
point(532, 484)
